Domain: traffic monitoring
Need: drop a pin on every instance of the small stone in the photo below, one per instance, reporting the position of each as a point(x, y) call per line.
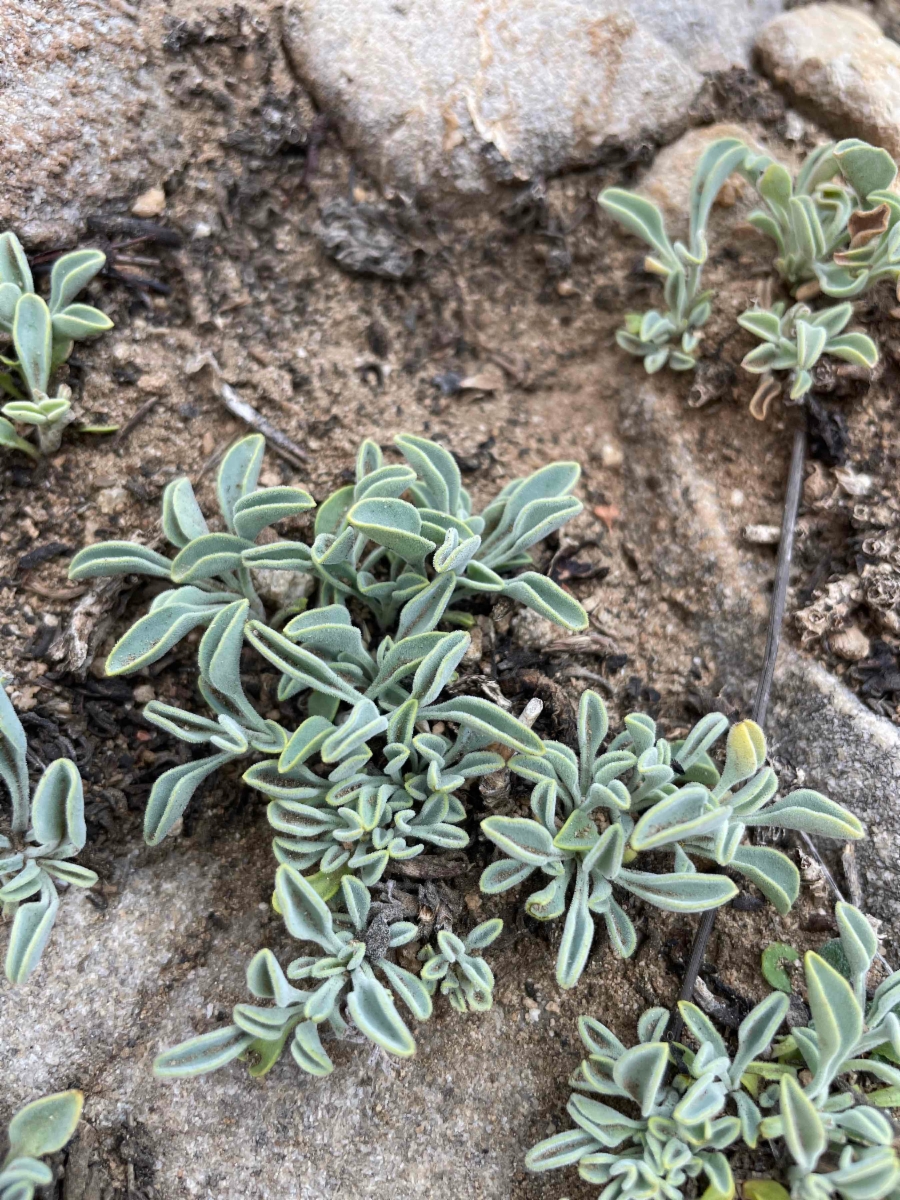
point(151, 203)
point(851, 643)
point(144, 693)
point(838, 61)
point(853, 484)
point(533, 632)
point(611, 455)
point(153, 384)
point(112, 500)
point(736, 498)
point(762, 535)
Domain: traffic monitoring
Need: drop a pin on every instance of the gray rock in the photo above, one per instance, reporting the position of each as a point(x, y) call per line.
point(853, 755)
point(836, 61)
point(452, 99)
point(84, 117)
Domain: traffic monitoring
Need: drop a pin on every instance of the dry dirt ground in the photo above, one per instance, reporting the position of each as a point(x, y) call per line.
point(498, 342)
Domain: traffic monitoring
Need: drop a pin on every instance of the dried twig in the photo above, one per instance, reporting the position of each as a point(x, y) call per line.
point(134, 420)
point(763, 690)
point(279, 441)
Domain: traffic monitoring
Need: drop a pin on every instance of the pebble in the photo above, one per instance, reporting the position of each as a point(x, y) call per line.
point(151, 203)
point(851, 643)
point(112, 500)
point(837, 60)
point(762, 535)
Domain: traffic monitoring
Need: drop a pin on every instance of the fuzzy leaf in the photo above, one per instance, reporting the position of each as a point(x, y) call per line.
point(239, 473)
point(503, 874)
point(71, 274)
point(394, 524)
point(640, 1071)
point(548, 599)
point(253, 512)
point(182, 520)
point(409, 988)
point(308, 1051)
point(79, 321)
point(561, 1150)
point(31, 930)
point(578, 934)
point(375, 1014)
point(208, 556)
point(472, 712)
point(640, 216)
point(172, 792)
point(679, 893)
point(803, 1130)
point(523, 839)
point(772, 872)
point(858, 939)
point(855, 348)
point(118, 558)
point(33, 341)
point(306, 915)
point(14, 761)
point(867, 168)
point(836, 1015)
point(45, 1125)
point(154, 634)
point(57, 807)
point(201, 1054)
point(810, 812)
point(756, 1032)
point(13, 263)
point(437, 468)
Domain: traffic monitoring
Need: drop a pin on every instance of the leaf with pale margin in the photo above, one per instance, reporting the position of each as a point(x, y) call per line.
point(45, 1125)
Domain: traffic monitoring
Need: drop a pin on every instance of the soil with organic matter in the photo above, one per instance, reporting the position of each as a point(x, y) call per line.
point(278, 271)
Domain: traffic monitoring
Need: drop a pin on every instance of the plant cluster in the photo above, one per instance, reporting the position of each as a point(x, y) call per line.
point(375, 771)
point(595, 813)
point(46, 831)
point(810, 1092)
point(836, 230)
point(42, 334)
point(354, 938)
point(795, 341)
point(40, 1128)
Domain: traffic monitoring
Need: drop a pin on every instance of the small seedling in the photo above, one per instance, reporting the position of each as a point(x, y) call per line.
point(672, 337)
point(43, 334)
point(45, 833)
point(794, 341)
point(352, 942)
point(40, 1128)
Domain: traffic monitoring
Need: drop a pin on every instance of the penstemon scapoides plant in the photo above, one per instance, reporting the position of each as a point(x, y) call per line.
point(672, 337)
point(839, 1141)
point(43, 334)
point(40, 1128)
point(597, 812)
point(795, 340)
point(404, 560)
point(45, 832)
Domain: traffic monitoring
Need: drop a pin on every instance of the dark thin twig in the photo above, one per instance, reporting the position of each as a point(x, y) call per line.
point(134, 420)
point(280, 442)
point(764, 687)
